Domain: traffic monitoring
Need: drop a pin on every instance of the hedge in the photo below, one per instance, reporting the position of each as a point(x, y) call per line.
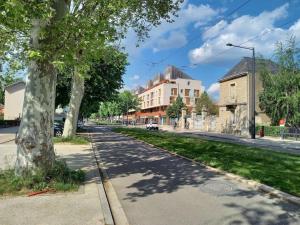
point(273, 131)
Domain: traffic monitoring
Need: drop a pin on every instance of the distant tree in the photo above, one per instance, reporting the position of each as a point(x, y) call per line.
point(174, 110)
point(207, 102)
point(127, 101)
point(280, 97)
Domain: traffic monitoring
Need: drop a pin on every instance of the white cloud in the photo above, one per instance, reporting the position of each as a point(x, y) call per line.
point(241, 29)
point(213, 89)
point(189, 14)
point(135, 77)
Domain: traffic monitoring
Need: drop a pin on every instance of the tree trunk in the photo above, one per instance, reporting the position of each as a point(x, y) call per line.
point(34, 139)
point(77, 92)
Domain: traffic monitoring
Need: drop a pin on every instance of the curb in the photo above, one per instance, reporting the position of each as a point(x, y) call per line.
point(115, 214)
point(251, 183)
point(106, 211)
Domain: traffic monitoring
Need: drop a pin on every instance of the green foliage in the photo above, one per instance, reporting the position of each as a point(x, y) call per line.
point(75, 140)
point(174, 110)
point(279, 170)
point(59, 178)
point(206, 101)
point(101, 84)
point(127, 101)
point(273, 131)
point(281, 95)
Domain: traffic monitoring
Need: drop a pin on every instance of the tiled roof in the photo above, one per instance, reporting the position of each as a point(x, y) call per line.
point(245, 66)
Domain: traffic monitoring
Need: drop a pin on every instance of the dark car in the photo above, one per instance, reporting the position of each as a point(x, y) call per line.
point(58, 129)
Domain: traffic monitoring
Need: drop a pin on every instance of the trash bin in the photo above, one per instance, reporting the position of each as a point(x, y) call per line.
point(262, 131)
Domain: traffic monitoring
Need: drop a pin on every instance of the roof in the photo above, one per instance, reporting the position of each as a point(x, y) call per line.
point(176, 73)
point(14, 84)
point(245, 66)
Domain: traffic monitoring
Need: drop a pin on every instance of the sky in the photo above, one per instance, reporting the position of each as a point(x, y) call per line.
point(196, 41)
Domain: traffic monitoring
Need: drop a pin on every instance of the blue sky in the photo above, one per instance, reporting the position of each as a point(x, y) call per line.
point(196, 41)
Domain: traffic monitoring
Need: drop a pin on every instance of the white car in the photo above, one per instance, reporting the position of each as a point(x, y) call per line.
point(152, 126)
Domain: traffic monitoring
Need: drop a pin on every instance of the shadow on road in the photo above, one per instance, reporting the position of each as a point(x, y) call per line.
point(164, 173)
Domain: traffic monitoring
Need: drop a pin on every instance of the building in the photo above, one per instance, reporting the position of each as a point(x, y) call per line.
point(235, 96)
point(14, 97)
point(162, 91)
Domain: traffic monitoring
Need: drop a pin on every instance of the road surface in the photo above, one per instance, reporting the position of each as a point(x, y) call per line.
point(156, 188)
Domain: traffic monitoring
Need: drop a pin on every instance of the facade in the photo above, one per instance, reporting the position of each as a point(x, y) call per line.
point(14, 97)
point(162, 91)
point(235, 97)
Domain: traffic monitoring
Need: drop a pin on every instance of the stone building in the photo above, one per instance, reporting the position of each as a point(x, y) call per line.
point(235, 97)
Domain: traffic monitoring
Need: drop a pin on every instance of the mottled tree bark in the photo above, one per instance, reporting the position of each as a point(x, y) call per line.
point(34, 139)
point(77, 93)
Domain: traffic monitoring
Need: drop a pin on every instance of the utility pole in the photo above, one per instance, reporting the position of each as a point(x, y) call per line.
point(251, 100)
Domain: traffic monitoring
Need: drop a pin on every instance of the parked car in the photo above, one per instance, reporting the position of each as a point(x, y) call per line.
point(152, 126)
point(58, 130)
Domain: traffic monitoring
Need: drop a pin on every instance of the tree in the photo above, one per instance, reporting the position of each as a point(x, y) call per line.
point(280, 97)
point(174, 110)
point(101, 83)
point(52, 34)
point(205, 101)
point(128, 101)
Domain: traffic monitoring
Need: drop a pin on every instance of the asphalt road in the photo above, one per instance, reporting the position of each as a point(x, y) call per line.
point(156, 188)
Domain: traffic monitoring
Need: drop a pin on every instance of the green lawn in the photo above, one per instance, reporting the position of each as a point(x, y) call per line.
point(75, 140)
point(279, 170)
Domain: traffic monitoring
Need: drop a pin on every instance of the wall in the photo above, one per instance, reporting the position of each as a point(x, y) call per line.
point(14, 97)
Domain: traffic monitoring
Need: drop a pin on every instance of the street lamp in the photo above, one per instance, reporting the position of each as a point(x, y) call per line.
point(252, 91)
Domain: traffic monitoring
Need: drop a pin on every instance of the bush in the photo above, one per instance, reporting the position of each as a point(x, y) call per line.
point(273, 131)
point(59, 178)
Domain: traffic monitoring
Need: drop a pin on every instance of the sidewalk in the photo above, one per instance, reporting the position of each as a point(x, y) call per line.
point(78, 208)
point(286, 146)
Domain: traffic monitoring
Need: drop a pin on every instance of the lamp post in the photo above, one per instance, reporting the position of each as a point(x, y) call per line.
point(251, 111)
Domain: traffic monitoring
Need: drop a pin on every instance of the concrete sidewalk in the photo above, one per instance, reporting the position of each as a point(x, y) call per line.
point(78, 208)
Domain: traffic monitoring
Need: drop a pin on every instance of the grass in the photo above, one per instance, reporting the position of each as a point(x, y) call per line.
point(59, 178)
point(75, 140)
point(279, 170)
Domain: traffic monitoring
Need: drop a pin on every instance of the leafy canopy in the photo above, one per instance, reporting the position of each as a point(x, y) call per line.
point(206, 101)
point(73, 32)
point(281, 95)
point(174, 110)
point(102, 82)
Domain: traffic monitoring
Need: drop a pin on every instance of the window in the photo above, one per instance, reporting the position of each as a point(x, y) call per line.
point(159, 100)
point(187, 101)
point(188, 83)
point(196, 93)
point(232, 91)
point(173, 91)
point(159, 92)
point(148, 97)
point(152, 94)
point(187, 92)
point(147, 103)
point(151, 103)
point(172, 99)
